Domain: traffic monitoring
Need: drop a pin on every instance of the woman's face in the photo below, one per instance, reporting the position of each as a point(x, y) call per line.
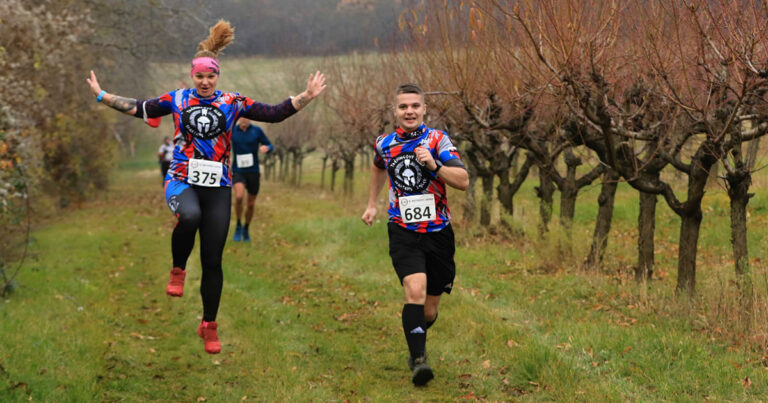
point(205, 83)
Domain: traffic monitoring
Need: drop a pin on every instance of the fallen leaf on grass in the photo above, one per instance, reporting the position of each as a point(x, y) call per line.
point(344, 316)
point(487, 364)
point(511, 343)
point(200, 399)
point(626, 350)
point(465, 376)
point(469, 395)
point(747, 382)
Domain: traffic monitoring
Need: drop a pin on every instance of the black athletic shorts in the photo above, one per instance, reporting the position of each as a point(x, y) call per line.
point(430, 253)
point(252, 181)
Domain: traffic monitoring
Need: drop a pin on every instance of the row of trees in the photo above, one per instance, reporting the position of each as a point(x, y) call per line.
point(608, 91)
point(56, 146)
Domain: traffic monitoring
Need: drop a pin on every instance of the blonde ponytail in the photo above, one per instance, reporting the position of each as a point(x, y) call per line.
point(219, 36)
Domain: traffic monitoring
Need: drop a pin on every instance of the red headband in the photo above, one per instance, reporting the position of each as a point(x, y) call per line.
point(201, 64)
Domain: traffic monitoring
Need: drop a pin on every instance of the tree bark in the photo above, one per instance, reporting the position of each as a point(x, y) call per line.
point(646, 232)
point(738, 192)
point(689, 239)
point(691, 214)
point(604, 219)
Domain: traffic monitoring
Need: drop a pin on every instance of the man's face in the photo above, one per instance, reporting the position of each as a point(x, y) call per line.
point(409, 111)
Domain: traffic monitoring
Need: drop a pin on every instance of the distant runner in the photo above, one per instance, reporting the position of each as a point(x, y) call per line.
point(197, 186)
point(419, 162)
point(164, 156)
point(247, 142)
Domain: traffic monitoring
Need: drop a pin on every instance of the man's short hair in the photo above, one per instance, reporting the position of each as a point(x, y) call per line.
point(409, 88)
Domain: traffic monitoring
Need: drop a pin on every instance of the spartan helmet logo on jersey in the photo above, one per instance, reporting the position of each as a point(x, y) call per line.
point(203, 121)
point(407, 174)
point(409, 177)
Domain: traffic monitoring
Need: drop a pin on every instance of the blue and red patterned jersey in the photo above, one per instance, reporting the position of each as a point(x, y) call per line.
point(407, 177)
point(203, 126)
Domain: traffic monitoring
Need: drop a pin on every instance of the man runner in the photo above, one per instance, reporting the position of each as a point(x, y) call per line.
point(419, 163)
point(164, 156)
point(247, 141)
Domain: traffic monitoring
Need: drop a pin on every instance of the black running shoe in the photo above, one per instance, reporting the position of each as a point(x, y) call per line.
point(422, 373)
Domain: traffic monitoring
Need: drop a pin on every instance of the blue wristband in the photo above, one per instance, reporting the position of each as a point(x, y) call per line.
point(100, 96)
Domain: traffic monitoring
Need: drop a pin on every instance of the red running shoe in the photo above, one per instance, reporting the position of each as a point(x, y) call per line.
point(175, 286)
point(207, 331)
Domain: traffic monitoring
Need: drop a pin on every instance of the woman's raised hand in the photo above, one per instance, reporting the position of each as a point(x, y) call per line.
point(315, 84)
point(94, 83)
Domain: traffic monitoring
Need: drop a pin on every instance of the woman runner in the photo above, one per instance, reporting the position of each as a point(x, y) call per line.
point(197, 186)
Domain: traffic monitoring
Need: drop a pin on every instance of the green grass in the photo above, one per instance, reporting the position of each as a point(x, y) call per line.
point(310, 311)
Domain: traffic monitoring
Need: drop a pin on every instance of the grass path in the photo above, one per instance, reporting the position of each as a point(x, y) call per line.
point(310, 311)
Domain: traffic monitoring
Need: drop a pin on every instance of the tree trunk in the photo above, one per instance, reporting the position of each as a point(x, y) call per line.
point(691, 214)
point(322, 172)
point(470, 200)
point(646, 232)
point(296, 163)
point(506, 191)
point(604, 219)
point(738, 192)
point(568, 193)
point(545, 192)
point(286, 167)
point(752, 150)
point(689, 239)
point(334, 170)
point(292, 169)
point(567, 211)
point(301, 169)
point(349, 174)
point(486, 200)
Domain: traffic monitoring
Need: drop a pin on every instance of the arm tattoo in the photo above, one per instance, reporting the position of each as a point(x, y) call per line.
point(301, 102)
point(122, 104)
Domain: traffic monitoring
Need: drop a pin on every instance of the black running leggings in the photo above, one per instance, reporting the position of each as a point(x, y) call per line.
point(207, 209)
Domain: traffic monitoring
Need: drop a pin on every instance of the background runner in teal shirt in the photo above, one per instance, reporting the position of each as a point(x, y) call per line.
point(247, 141)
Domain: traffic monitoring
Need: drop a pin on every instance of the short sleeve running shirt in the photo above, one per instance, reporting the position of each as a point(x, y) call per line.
point(203, 126)
point(167, 151)
point(407, 177)
point(245, 147)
